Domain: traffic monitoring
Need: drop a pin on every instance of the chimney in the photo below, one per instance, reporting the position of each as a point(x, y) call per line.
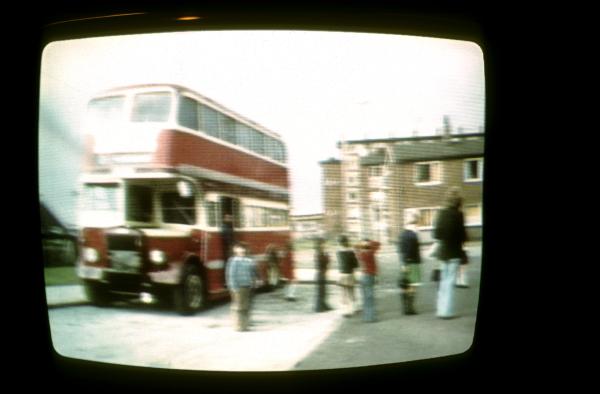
point(447, 130)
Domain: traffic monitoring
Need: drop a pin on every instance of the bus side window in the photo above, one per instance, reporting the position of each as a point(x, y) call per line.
point(210, 208)
point(237, 214)
point(188, 113)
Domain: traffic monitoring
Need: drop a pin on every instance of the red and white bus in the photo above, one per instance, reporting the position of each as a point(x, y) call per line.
point(164, 167)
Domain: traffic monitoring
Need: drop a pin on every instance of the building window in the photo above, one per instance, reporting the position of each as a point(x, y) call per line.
point(473, 170)
point(427, 216)
point(429, 173)
point(473, 215)
point(353, 162)
point(354, 213)
point(376, 214)
point(375, 171)
point(378, 196)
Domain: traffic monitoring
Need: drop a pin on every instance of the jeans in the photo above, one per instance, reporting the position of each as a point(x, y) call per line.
point(445, 299)
point(240, 307)
point(368, 292)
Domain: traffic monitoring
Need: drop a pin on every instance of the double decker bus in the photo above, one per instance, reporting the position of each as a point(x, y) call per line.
point(171, 179)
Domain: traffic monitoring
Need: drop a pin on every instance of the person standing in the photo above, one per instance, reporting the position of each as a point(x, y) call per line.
point(347, 263)
point(227, 235)
point(410, 259)
point(322, 263)
point(366, 255)
point(273, 269)
point(450, 231)
point(287, 266)
point(241, 275)
point(227, 238)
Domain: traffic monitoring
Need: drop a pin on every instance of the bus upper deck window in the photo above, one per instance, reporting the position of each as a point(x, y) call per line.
point(151, 107)
point(106, 108)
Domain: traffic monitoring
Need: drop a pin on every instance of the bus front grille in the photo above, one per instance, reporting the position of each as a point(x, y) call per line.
point(124, 252)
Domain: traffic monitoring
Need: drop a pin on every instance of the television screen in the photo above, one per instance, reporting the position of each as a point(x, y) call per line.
point(206, 183)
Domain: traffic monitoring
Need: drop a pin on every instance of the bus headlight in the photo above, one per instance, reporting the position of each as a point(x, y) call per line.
point(91, 255)
point(158, 257)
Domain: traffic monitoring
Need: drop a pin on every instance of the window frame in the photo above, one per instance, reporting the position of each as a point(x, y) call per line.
point(121, 115)
point(477, 223)
point(196, 111)
point(128, 199)
point(430, 182)
point(421, 226)
point(466, 170)
point(161, 195)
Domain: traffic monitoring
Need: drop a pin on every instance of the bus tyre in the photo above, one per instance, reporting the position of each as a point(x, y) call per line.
point(190, 295)
point(97, 293)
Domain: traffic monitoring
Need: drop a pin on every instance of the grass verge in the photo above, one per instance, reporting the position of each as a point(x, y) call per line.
point(59, 276)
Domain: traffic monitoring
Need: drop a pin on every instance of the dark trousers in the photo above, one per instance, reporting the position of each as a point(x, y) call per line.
point(321, 302)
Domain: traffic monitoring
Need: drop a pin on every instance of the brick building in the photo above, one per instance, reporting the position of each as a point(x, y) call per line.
point(377, 182)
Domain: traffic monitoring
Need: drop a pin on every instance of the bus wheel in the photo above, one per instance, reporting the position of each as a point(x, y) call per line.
point(97, 293)
point(190, 295)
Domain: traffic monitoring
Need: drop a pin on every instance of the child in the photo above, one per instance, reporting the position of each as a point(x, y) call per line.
point(410, 264)
point(347, 262)
point(366, 255)
point(241, 274)
point(322, 263)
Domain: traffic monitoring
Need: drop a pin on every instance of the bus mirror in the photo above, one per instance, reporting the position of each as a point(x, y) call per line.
point(185, 189)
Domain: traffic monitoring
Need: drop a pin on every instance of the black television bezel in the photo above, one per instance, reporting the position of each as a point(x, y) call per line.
point(460, 21)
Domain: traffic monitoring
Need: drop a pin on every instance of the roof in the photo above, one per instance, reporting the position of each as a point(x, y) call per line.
point(373, 159)
point(432, 150)
point(438, 150)
point(330, 161)
point(414, 139)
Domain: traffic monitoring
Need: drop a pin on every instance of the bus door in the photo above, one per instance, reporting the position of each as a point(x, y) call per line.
point(229, 221)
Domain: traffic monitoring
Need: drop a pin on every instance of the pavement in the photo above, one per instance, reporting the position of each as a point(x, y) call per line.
point(70, 295)
point(322, 341)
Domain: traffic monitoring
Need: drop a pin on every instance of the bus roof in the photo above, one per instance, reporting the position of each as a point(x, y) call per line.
point(183, 89)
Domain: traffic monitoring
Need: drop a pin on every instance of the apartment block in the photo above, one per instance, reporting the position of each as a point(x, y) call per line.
point(376, 183)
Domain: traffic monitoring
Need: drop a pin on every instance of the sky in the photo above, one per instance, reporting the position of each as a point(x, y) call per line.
point(312, 88)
